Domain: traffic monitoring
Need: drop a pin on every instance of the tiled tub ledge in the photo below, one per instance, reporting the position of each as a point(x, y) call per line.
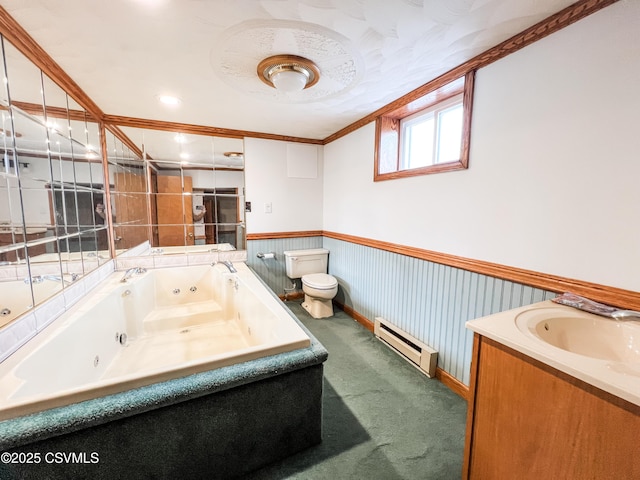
point(25, 327)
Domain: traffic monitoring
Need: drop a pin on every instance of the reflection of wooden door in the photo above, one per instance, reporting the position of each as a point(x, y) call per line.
point(130, 202)
point(175, 216)
point(222, 216)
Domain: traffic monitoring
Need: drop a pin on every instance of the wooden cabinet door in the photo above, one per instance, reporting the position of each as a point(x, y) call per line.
point(531, 422)
point(175, 211)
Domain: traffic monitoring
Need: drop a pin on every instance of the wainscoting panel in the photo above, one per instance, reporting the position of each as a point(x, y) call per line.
point(272, 271)
point(426, 299)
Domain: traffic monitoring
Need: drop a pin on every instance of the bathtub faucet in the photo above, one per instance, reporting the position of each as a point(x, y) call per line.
point(131, 272)
point(227, 264)
point(54, 278)
point(61, 278)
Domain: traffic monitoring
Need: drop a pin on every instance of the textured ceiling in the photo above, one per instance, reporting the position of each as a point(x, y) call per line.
point(124, 53)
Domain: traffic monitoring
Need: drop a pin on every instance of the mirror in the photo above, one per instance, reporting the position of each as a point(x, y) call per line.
point(182, 192)
point(51, 175)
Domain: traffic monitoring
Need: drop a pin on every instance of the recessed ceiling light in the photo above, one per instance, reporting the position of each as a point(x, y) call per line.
point(169, 100)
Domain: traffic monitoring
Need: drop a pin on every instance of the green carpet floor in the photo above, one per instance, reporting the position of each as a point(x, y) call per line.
point(382, 418)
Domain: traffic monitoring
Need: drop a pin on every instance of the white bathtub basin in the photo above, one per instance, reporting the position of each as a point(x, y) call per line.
point(177, 322)
point(583, 333)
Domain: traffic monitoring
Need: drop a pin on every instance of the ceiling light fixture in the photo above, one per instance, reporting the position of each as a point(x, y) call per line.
point(288, 73)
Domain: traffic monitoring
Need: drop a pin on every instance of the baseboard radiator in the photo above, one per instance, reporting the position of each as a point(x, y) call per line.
point(416, 352)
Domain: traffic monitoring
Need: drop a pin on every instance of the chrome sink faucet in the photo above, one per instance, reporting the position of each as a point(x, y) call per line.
point(626, 315)
point(227, 264)
point(131, 272)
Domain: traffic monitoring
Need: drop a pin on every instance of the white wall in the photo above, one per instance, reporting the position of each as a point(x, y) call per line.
point(204, 180)
point(554, 178)
point(296, 203)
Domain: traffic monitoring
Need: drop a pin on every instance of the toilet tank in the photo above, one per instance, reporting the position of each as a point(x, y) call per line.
point(303, 262)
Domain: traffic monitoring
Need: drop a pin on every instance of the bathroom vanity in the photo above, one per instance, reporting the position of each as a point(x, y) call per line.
point(538, 410)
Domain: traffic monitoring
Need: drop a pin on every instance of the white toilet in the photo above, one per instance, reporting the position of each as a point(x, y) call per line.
point(318, 286)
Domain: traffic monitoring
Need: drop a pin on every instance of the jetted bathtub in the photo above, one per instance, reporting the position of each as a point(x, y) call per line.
point(155, 326)
point(197, 369)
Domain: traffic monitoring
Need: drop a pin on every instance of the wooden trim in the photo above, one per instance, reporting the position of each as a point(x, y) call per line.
point(361, 319)
point(291, 296)
point(115, 130)
point(274, 235)
point(388, 132)
point(614, 296)
point(467, 102)
point(19, 38)
point(200, 129)
point(455, 385)
point(552, 24)
point(471, 404)
point(107, 190)
point(53, 112)
point(416, 172)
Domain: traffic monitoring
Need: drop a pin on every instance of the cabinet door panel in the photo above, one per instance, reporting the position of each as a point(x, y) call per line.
point(531, 422)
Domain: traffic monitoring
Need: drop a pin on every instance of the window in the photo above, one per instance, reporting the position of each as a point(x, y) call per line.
point(429, 134)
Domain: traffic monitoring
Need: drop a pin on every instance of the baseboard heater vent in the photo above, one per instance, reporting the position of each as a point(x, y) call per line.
point(420, 355)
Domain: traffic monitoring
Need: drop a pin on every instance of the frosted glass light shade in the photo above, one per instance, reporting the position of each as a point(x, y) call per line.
point(289, 81)
point(288, 73)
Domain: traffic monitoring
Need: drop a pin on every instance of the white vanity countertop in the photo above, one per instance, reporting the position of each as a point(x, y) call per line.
point(621, 379)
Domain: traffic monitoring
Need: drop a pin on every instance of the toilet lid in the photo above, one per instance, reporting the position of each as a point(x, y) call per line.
point(321, 281)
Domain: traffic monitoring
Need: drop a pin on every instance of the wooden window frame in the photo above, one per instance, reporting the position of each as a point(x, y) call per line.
point(387, 141)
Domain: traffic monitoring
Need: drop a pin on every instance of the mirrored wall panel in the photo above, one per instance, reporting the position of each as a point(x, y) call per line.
point(51, 176)
point(181, 192)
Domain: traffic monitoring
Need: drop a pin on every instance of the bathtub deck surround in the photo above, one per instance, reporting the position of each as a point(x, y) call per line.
point(179, 323)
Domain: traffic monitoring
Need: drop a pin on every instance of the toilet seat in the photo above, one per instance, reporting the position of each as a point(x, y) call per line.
point(320, 281)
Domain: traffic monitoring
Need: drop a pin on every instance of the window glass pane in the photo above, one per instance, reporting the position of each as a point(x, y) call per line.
point(449, 134)
point(418, 143)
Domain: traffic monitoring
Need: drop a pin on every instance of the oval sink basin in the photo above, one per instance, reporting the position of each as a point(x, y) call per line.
point(582, 333)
